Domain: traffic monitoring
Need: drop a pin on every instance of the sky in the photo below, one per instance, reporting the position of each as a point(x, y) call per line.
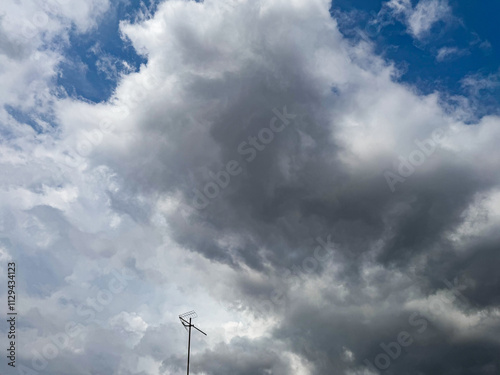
point(317, 179)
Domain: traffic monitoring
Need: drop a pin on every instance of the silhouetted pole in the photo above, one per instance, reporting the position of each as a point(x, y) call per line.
point(189, 343)
point(186, 324)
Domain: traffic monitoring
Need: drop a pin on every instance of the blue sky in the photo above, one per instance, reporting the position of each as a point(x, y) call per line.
point(469, 31)
point(475, 44)
point(81, 74)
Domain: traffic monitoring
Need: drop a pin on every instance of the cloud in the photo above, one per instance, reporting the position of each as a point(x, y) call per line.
point(482, 91)
point(422, 17)
point(477, 82)
point(111, 187)
point(446, 53)
point(240, 356)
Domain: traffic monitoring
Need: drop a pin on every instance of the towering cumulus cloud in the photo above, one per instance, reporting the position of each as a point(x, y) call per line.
point(320, 215)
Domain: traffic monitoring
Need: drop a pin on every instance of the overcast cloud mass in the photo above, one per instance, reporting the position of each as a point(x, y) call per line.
point(267, 163)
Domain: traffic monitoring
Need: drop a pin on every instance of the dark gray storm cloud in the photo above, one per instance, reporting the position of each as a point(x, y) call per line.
point(279, 132)
point(239, 356)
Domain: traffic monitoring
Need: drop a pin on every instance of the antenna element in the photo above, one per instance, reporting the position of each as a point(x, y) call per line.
point(188, 325)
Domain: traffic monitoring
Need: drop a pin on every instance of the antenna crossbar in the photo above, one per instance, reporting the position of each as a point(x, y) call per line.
point(188, 325)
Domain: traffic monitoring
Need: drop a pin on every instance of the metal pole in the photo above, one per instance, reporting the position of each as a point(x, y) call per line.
point(189, 344)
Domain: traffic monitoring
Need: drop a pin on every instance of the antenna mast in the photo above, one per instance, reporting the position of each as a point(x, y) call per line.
point(187, 324)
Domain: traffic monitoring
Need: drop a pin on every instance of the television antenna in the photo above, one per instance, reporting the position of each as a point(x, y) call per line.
point(188, 325)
